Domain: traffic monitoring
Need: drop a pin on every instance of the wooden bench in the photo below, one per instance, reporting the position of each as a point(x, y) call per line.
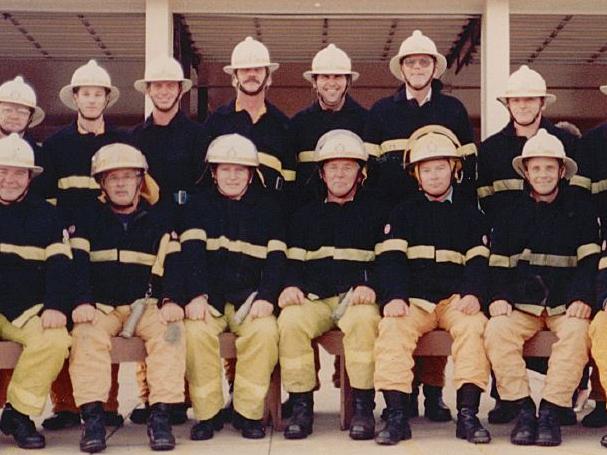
point(434, 344)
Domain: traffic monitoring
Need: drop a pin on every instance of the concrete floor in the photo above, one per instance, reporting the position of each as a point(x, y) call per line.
point(428, 438)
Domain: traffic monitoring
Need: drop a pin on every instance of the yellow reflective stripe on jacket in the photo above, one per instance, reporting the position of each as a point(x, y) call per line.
point(391, 245)
point(344, 254)
point(467, 150)
point(373, 149)
point(581, 181)
point(104, 255)
point(277, 245)
point(34, 253)
point(193, 234)
point(539, 259)
point(80, 243)
point(603, 263)
point(498, 260)
point(77, 181)
point(599, 187)
point(480, 250)
point(430, 252)
point(123, 256)
point(485, 191)
point(52, 201)
point(167, 246)
point(237, 246)
point(289, 175)
point(306, 157)
point(297, 254)
point(508, 185)
point(420, 252)
point(587, 250)
point(393, 145)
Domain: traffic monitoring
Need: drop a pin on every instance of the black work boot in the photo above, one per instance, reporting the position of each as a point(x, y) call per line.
point(396, 428)
point(435, 409)
point(302, 419)
point(21, 428)
point(205, 429)
point(362, 426)
point(548, 426)
point(113, 419)
point(179, 413)
point(411, 406)
point(140, 416)
point(597, 418)
point(249, 428)
point(468, 425)
point(61, 420)
point(286, 408)
point(93, 433)
point(159, 427)
point(524, 432)
point(502, 412)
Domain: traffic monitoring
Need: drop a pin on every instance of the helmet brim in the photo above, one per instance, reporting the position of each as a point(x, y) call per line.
point(395, 66)
point(67, 98)
point(518, 163)
point(142, 84)
point(549, 98)
point(309, 75)
point(229, 69)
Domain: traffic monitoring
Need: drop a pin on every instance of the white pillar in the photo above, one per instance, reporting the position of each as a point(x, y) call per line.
point(495, 64)
point(158, 34)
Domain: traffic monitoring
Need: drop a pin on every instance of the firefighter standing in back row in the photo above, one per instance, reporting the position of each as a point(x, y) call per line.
point(418, 102)
point(544, 256)
point(432, 268)
point(67, 157)
point(126, 254)
point(234, 250)
point(331, 246)
point(35, 290)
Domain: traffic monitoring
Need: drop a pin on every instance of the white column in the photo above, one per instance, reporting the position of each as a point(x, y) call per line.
point(158, 34)
point(495, 64)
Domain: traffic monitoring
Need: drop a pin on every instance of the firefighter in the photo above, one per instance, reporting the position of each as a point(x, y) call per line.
point(417, 102)
point(432, 269)
point(234, 247)
point(544, 255)
point(174, 148)
point(251, 115)
point(125, 252)
point(35, 288)
point(331, 77)
point(18, 113)
point(525, 98)
point(331, 245)
point(67, 156)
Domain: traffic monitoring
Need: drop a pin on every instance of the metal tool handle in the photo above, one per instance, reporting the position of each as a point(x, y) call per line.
point(341, 308)
point(244, 309)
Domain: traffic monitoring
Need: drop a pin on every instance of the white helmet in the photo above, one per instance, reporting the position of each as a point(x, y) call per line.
point(526, 83)
point(417, 43)
point(16, 152)
point(117, 156)
point(18, 92)
point(250, 53)
point(340, 144)
point(544, 145)
point(232, 149)
point(604, 89)
point(89, 75)
point(330, 60)
point(163, 69)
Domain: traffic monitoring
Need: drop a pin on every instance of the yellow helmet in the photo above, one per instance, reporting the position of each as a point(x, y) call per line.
point(232, 149)
point(89, 75)
point(340, 144)
point(432, 142)
point(18, 92)
point(16, 152)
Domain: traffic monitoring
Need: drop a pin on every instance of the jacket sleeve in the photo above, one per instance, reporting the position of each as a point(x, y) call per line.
point(193, 259)
point(272, 277)
point(392, 262)
point(59, 269)
point(476, 272)
point(168, 268)
point(484, 183)
point(502, 269)
point(81, 248)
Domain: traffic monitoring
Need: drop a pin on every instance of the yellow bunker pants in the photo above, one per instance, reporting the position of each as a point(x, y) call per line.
point(256, 357)
point(300, 324)
point(398, 338)
point(90, 360)
point(44, 351)
point(505, 337)
point(598, 340)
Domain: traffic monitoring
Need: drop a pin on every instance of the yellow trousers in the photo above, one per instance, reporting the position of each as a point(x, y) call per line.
point(44, 351)
point(505, 337)
point(398, 339)
point(598, 340)
point(90, 359)
point(256, 357)
point(300, 324)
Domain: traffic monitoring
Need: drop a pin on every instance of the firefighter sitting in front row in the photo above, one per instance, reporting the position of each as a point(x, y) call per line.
point(35, 283)
point(126, 259)
point(432, 269)
point(331, 246)
point(234, 252)
point(544, 253)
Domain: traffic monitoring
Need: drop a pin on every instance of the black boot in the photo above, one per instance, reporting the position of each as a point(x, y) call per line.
point(249, 428)
point(411, 407)
point(597, 418)
point(567, 416)
point(302, 419)
point(396, 428)
point(21, 427)
point(159, 427)
point(468, 425)
point(61, 420)
point(363, 421)
point(93, 433)
point(140, 416)
point(434, 407)
point(548, 426)
point(286, 408)
point(205, 429)
point(113, 419)
point(502, 412)
point(179, 413)
point(524, 432)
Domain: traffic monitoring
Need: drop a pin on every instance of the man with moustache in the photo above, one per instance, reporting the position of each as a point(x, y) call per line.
point(68, 156)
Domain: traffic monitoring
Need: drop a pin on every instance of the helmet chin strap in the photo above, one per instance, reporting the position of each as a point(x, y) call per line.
point(173, 104)
point(341, 98)
point(18, 199)
point(258, 90)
